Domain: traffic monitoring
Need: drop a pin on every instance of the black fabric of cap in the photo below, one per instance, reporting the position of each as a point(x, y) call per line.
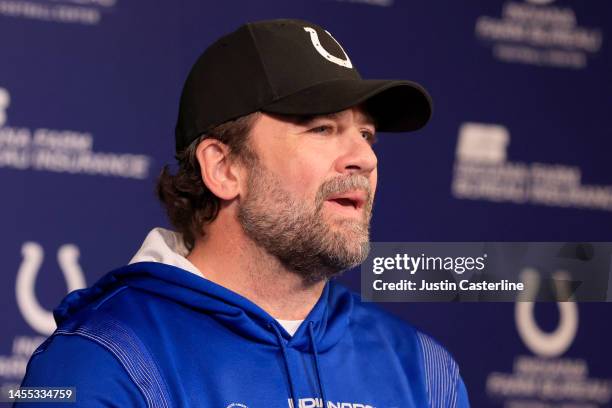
point(289, 67)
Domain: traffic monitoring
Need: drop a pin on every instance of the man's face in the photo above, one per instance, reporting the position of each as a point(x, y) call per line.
point(310, 191)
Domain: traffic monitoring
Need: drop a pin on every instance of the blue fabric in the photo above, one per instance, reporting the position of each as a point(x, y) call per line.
point(74, 361)
point(153, 335)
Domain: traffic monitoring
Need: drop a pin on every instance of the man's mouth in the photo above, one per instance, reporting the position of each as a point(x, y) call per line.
point(352, 201)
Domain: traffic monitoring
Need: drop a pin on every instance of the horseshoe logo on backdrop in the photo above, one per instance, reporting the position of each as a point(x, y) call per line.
point(314, 37)
point(539, 342)
point(34, 314)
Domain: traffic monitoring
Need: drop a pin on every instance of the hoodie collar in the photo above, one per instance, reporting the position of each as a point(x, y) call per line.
point(165, 246)
point(329, 317)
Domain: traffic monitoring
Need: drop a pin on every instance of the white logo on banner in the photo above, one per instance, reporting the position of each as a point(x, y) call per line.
point(482, 143)
point(546, 379)
point(482, 171)
point(536, 33)
point(85, 12)
point(13, 365)
point(540, 343)
point(34, 314)
point(64, 151)
point(314, 38)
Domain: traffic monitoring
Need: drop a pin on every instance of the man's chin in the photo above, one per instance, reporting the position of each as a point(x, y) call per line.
point(351, 253)
point(332, 260)
point(350, 232)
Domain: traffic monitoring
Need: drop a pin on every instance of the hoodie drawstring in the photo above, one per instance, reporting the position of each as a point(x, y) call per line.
point(284, 350)
point(316, 359)
point(281, 342)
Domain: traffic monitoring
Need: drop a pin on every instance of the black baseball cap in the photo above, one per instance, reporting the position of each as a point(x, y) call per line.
point(291, 67)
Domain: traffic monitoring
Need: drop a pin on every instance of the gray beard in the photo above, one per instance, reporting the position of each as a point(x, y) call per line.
point(297, 234)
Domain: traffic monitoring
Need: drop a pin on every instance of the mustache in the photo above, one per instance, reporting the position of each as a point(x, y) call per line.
point(344, 184)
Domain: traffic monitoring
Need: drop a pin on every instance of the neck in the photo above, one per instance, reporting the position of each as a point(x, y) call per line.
point(226, 256)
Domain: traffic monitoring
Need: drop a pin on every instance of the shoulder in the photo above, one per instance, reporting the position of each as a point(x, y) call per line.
point(101, 356)
point(97, 375)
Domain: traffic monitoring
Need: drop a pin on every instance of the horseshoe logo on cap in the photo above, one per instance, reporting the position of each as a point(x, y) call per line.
point(314, 37)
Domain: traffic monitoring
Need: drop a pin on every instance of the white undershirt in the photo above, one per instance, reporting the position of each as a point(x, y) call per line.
point(290, 326)
point(165, 246)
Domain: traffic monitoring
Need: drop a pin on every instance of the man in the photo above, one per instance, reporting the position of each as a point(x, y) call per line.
point(272, 199)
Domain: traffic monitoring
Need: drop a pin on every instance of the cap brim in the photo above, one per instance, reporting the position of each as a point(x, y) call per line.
point(396, 106)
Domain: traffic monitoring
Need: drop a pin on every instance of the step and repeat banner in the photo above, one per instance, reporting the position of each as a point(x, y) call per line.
point(519, 149)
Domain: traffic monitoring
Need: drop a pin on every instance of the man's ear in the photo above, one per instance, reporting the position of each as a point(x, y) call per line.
point(219, 173)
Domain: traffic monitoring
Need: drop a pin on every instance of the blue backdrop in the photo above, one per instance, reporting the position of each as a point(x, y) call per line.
point(518, 150)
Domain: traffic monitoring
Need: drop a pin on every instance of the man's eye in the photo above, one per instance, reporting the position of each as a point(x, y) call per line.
point(321, 129)
point(369, 136)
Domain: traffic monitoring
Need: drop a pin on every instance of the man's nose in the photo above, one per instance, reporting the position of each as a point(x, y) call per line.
point(357, 155)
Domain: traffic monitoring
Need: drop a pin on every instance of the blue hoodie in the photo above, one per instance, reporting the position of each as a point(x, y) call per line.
point(154, 335)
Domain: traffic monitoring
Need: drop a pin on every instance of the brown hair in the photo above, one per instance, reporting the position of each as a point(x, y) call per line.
point(188, 202)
